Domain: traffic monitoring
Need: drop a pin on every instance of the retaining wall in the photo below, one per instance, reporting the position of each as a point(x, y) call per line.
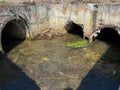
point(54, 16)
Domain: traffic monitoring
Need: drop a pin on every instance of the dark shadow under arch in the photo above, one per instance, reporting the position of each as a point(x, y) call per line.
point(13, 33)
point(109, 35)
point(73, 28)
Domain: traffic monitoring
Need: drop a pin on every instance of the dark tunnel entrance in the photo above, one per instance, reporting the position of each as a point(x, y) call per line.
point(13, 34)
point(109, 35)
point(73, 28)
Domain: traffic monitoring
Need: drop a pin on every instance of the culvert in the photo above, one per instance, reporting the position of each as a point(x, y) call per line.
point(13, 33)
point(73, 28)
point(107, 34)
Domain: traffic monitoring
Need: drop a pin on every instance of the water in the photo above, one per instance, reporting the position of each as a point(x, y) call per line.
point(51, 65)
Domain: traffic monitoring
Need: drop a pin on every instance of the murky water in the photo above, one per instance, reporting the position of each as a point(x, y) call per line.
point(51, 65)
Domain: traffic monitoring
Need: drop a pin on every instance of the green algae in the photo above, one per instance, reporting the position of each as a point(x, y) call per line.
point(78, 44)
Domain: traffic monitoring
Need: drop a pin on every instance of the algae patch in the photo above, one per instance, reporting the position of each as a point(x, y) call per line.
point(77, 44)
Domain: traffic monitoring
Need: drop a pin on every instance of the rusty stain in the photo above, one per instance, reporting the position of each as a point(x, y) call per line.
point(80, 9)
point(66, 9)
point(116, 14)
point(99, 13)
point(89, 22)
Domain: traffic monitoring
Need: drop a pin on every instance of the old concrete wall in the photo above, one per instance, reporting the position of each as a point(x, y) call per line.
point(78, 13)
point(105, 16)
point(53, 17)
point(109, 14)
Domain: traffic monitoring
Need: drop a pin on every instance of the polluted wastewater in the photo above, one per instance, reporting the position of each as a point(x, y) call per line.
point(51, 65)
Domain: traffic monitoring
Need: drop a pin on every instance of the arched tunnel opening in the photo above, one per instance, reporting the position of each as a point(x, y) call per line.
point(12, 35)
point(73, 28)
point(109, 35)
